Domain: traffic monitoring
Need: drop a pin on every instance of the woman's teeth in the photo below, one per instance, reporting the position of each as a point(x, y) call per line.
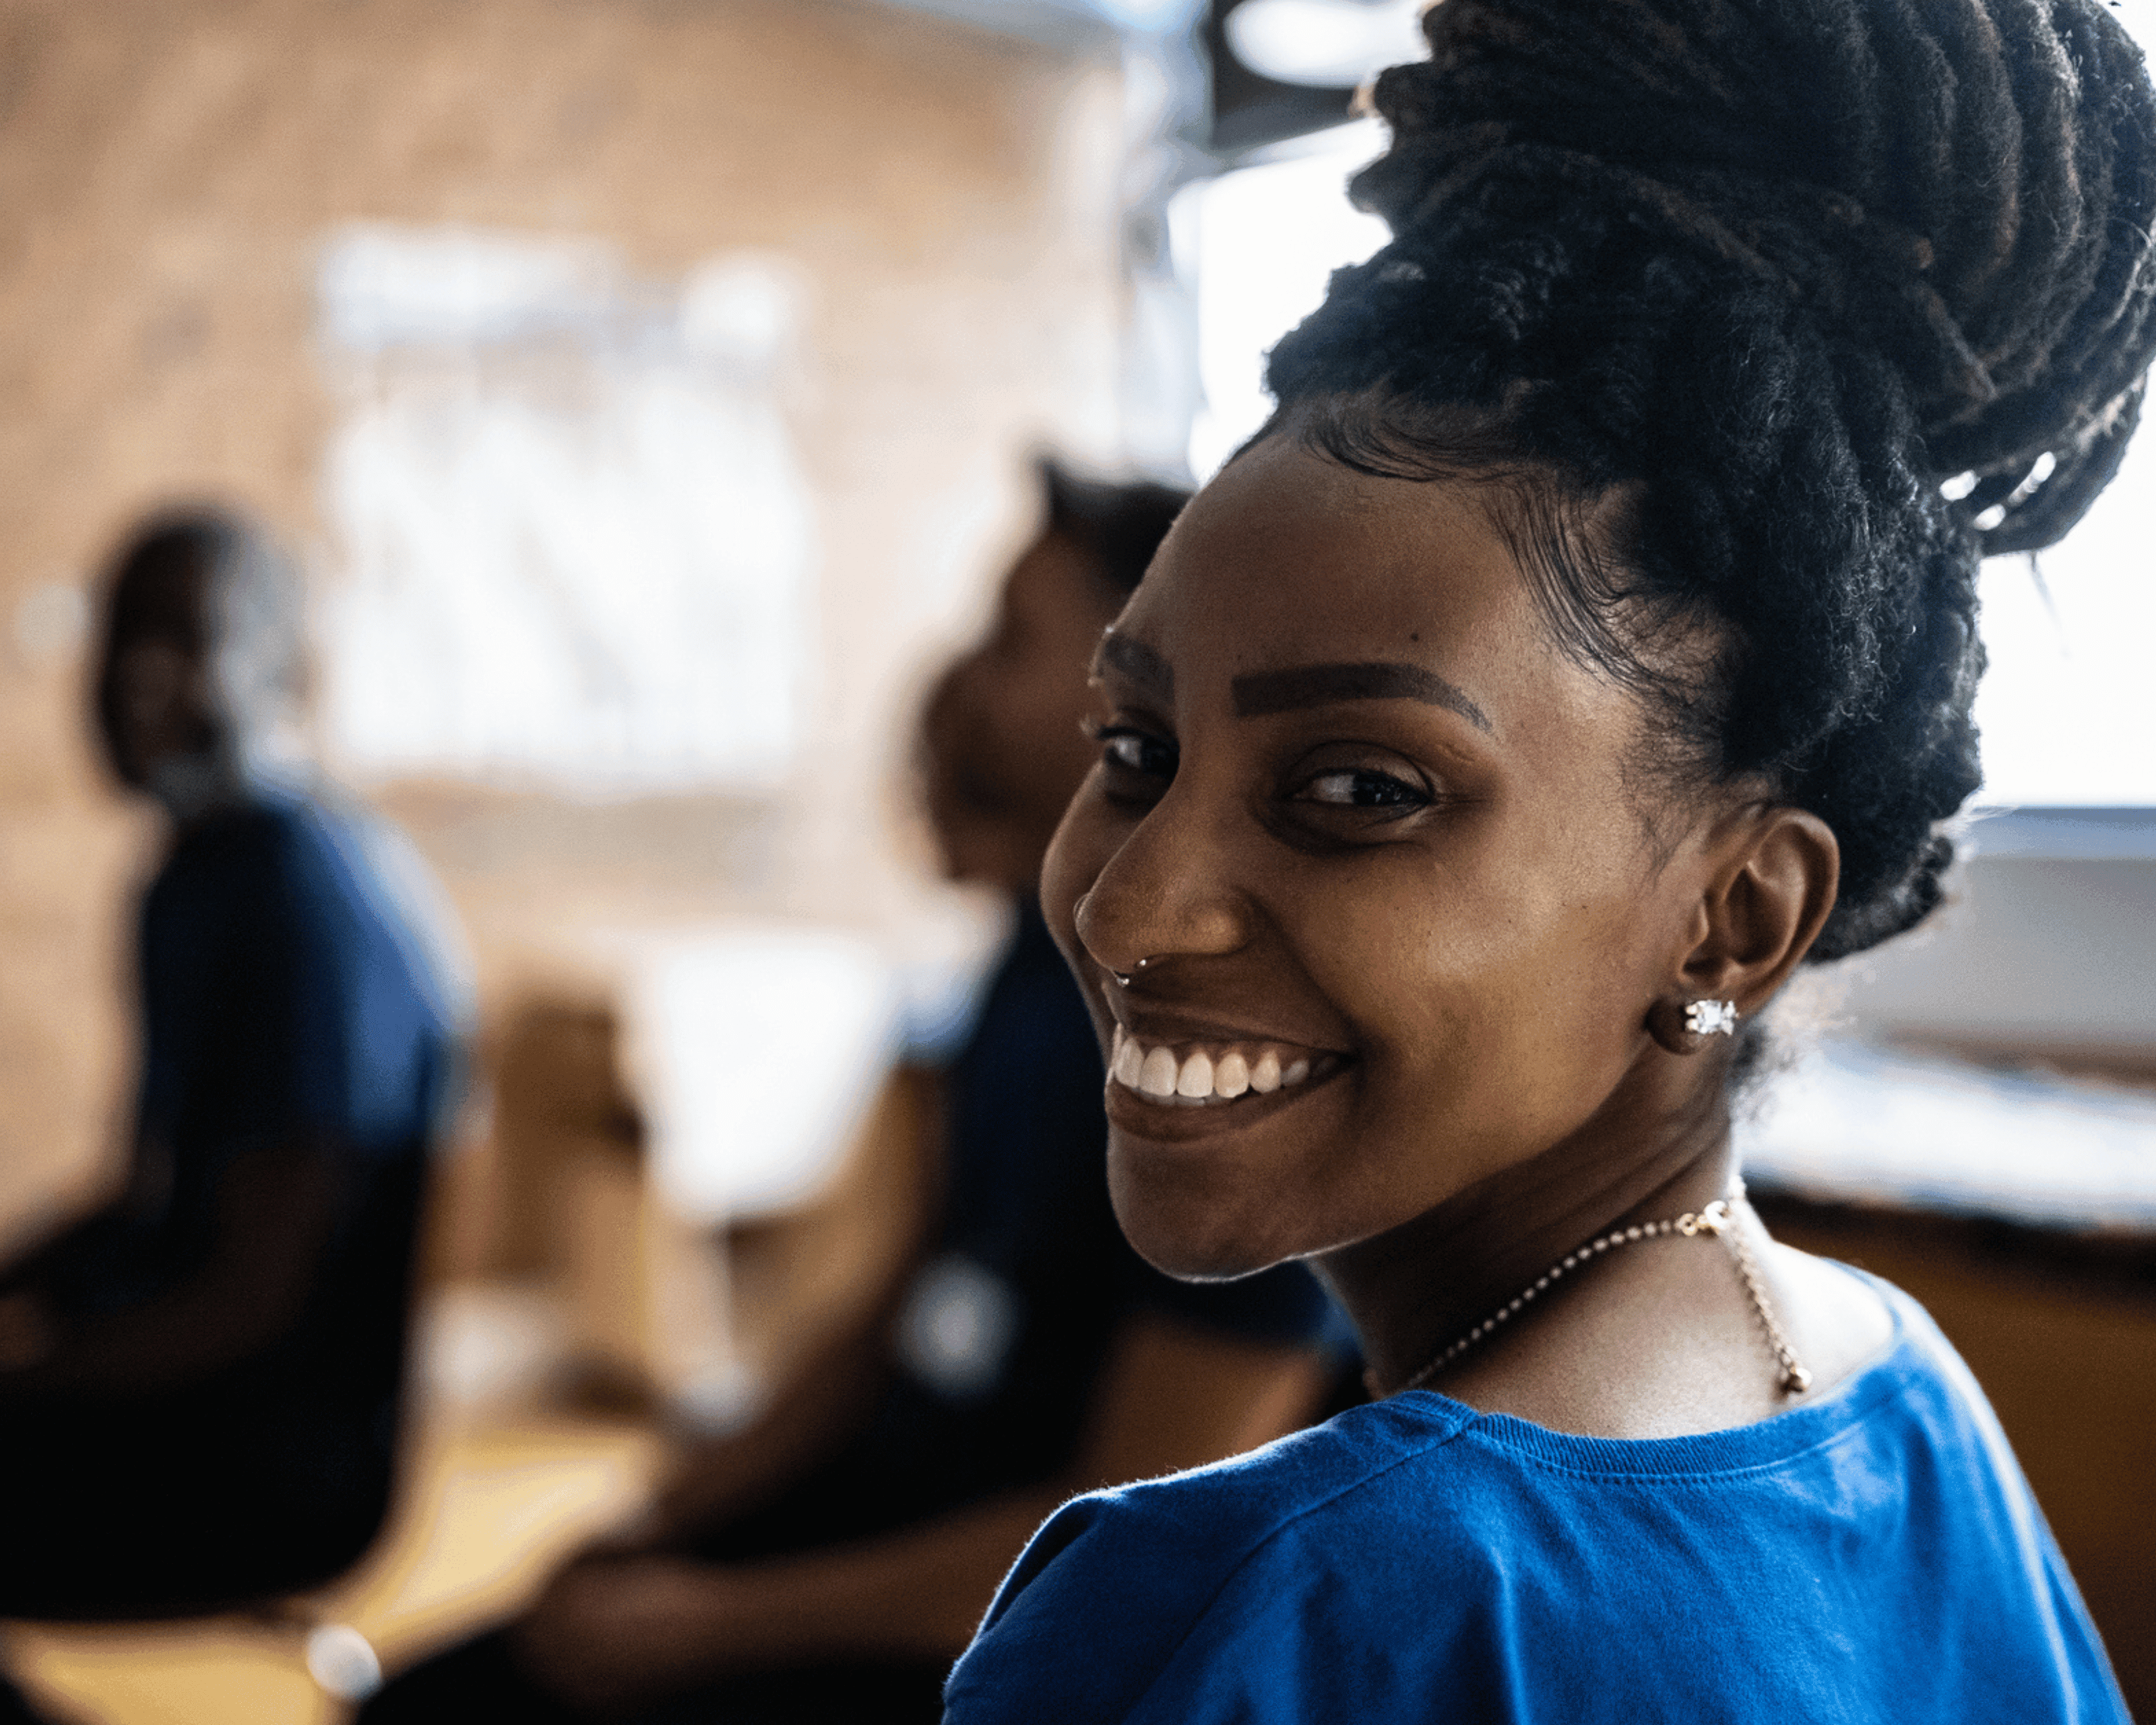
point(1199, 1078)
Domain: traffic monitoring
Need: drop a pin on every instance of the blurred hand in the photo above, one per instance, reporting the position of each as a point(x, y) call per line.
point(26, 1331)
point(614, 1630)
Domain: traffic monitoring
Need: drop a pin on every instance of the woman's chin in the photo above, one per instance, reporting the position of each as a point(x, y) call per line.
point(1185, 1224)
point(1206, 1194)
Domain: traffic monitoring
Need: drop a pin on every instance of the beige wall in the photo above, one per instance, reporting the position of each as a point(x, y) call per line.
point(166, 170)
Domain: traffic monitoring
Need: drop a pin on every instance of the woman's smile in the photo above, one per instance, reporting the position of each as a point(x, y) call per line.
point(1171, 1073)
point(1172, 1083)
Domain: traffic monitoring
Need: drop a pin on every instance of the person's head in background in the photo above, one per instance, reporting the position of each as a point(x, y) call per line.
point(1002, 744)
point(199, 666)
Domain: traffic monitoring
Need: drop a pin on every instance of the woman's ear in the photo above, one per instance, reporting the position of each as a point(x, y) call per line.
point(1772, 888)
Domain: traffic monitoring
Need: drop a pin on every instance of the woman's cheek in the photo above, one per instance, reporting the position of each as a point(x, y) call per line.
point(1451, 995)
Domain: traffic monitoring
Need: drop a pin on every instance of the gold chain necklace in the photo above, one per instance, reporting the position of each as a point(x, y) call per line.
point(1718, 1218)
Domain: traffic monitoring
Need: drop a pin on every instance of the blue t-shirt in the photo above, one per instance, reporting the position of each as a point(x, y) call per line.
point(1875, 1556)
point(292, 989)
point(294, 1002)
point(289, 983)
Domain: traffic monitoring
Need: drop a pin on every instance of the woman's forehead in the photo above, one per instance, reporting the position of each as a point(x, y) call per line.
point(1289, 559)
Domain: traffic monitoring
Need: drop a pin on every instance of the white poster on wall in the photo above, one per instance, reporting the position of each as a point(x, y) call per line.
point(571, 542)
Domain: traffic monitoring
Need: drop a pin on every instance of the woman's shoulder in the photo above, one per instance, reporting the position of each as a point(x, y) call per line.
point(1106, 1594)
point(277, 845)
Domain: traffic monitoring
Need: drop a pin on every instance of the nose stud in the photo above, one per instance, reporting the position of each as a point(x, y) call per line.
point(1124, 979)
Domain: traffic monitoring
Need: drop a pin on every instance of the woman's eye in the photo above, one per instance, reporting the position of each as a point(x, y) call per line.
point(1128, 750)
point(1361, 787)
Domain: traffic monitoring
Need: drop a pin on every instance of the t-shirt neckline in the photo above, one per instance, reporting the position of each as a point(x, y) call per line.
point(1734, 1449)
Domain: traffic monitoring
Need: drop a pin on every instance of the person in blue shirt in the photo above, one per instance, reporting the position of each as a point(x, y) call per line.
point(200, 1382)
point(829, 1562)
point(1587, 641)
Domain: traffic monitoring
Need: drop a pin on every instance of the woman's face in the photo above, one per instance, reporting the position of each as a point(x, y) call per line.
point(1368, 828)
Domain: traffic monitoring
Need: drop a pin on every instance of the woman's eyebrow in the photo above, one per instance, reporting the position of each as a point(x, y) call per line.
point(1137, 662)
point(1280, 691)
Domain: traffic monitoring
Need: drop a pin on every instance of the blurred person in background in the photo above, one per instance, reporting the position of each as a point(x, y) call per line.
point(200, 1382)
point(831, 1560)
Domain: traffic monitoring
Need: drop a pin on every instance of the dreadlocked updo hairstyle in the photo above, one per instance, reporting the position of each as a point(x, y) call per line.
point(1829, 298)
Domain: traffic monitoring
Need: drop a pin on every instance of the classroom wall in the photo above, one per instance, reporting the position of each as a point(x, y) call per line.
point(167, 169)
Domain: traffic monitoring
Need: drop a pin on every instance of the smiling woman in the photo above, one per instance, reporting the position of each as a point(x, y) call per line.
point(1587, 642)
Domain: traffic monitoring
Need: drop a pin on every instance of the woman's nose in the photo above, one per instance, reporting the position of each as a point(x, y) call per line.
point(1165, 893)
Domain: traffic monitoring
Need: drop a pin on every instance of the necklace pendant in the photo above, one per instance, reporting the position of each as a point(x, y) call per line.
point(1711, 1220)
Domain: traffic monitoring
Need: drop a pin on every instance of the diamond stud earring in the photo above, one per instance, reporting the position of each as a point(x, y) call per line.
point(1711, 1018)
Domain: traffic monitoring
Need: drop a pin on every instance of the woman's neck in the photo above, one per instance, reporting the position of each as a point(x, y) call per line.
point(1657, 1152)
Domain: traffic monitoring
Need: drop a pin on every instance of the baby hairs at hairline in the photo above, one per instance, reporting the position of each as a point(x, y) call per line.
point(1766, 274)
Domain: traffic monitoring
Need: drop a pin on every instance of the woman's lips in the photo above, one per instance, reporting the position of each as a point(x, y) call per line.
point(1214, 1075)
